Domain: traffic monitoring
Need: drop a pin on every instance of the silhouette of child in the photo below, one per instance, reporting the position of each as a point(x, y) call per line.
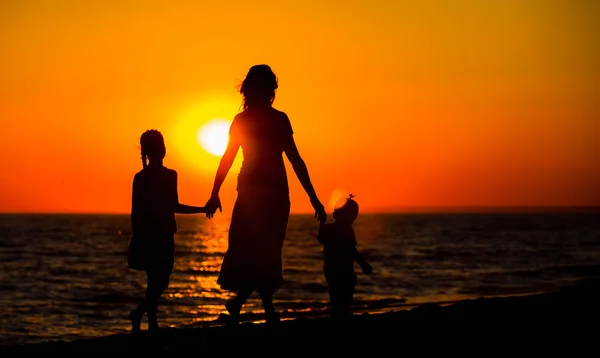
point(155, 202)
point(340, 252)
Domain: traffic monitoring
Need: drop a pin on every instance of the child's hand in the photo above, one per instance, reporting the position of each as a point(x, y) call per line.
point(320, 214)
point(366, 268)
point(212, 205)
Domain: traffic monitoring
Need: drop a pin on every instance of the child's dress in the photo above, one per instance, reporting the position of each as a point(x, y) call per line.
point(153, 222)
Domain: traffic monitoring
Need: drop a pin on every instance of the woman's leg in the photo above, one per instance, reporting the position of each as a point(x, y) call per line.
point(234, 306)
point(267, 300)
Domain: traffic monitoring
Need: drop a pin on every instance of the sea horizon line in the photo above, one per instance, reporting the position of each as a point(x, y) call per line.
point(398, 210)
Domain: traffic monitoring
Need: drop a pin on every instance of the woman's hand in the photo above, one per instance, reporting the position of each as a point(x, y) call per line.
point(319, 210)
point(212, 205)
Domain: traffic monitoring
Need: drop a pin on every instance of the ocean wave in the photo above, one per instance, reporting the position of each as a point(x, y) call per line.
point(66, 276)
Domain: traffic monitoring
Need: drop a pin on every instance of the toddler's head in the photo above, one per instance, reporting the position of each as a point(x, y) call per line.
point(346, 210)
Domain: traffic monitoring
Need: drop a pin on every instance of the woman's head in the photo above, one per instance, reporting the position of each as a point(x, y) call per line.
point(259, 87)
point(152, 145)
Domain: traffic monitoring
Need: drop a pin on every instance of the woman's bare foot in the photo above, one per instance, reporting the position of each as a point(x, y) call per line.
point(234, 309)
point(153, 322)
point(271, 317)
point(153, 327)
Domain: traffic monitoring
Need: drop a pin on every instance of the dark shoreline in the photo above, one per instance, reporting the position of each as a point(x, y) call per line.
point(567, 317)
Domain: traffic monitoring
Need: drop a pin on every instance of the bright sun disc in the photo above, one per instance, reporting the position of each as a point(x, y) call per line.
point(214, 135)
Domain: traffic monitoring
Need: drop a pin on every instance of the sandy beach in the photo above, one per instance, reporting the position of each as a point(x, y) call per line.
point(567, 318)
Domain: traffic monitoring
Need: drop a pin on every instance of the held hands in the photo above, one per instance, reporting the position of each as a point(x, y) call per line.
point(212, 205)
point(320, 213)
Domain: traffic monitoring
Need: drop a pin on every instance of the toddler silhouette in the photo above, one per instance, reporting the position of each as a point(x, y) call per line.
point(340, 253)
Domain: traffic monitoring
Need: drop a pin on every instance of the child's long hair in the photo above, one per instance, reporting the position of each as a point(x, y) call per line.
point(258, 88)
point(152, 145)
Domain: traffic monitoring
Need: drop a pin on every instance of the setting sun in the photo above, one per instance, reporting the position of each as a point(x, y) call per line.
point(213, 136)
point(500, 109)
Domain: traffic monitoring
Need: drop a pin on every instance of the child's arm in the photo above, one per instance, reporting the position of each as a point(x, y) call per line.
point(188, 209)
point(366, 268)
point(136, 197)
point(182, 208)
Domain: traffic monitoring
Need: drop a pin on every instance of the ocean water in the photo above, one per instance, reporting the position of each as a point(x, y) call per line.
point(66, 277)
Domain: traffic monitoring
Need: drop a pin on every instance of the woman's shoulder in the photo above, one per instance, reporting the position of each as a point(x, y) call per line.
point(279, 113)
point(239, 118)
point(283, 122)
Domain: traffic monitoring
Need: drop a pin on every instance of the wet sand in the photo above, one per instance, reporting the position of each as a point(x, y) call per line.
point(566, 319)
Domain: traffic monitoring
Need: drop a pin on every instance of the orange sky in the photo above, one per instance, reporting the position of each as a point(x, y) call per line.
point(403, 103)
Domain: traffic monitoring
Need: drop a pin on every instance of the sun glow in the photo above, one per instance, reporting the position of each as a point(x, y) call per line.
point(186, 135)
point(214, 135)
point(335, 196)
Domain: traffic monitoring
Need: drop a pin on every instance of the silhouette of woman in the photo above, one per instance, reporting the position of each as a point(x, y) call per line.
point(155, 201)
point(261, 211)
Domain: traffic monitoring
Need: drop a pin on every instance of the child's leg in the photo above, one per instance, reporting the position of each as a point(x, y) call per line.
point(158, 281)
point(341, 292)
point(135, 317)
point(347, 296)
point(334, 297)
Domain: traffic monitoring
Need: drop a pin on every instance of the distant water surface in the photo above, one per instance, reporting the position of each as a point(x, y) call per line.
point(65, 276)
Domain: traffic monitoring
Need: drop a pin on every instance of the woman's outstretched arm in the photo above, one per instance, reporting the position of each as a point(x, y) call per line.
point(299, 166)
point(179, 208)
point(224, 165)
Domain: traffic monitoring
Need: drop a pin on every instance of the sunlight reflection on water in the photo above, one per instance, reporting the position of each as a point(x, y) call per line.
point(65, 276)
